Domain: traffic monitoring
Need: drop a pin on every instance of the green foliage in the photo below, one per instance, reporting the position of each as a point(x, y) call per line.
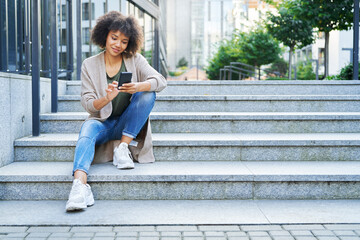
point(182, 63)
point(255, 48)
point(346, 73)
point(305, 71)
point(277, 78)
point(228, 51)
point(260, 47)
point(183, 68)
point(279, 66)
point(331, 77)
point(290, 31)
point(323, 14)
point(175, 73)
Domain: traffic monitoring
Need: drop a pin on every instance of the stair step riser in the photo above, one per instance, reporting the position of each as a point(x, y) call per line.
point(239, 106)
point(242, 88)
point(185, 190)
point(224, 126)
point(210, 153)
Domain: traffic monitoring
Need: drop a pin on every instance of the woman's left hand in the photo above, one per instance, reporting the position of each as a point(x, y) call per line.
point(129, 88)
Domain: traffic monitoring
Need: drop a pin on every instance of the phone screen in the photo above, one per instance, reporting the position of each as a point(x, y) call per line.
point(125, 77)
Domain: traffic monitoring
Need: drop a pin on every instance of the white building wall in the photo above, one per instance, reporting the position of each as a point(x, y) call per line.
point(178, 31)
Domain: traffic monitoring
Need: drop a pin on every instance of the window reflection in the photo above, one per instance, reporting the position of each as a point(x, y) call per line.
point(148, 38)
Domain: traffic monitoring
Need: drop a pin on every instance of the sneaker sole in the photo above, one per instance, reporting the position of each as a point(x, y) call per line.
point(75, 207)
point(125, 166)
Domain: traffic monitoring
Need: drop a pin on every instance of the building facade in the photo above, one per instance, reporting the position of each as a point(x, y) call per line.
point(195, 27)
point(16, 27)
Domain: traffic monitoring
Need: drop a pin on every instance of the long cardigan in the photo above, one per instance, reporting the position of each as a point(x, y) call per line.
point(93, 85)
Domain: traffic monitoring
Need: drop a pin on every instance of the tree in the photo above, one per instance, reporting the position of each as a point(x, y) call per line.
point(259, 48)
point(255, 48)
point(228, 51)
point(324, 15)
point(291, 32)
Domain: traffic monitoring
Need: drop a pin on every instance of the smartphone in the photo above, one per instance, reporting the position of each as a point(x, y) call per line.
point(125, 77)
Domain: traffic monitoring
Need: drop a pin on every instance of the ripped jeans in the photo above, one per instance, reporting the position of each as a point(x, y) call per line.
point(94, 132)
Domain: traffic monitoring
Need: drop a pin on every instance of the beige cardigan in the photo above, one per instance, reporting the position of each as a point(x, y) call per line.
point(93, 85)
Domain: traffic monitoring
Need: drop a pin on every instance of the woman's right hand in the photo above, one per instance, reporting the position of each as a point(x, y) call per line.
point(112, 90)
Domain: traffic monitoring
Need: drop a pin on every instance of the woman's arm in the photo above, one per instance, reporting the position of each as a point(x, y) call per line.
point(148, 74)
point(112, 92)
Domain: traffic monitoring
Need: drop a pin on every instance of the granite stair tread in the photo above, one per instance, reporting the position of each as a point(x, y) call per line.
point(226, 139)
point(237, 97)
point(272, 171)
point(220, 115)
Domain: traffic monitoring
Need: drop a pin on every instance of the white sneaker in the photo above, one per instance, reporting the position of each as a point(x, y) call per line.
point(80, 196)
point(122, 157)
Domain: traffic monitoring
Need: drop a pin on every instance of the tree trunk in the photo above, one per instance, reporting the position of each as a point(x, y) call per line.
point(290, 58)
point(326, 54)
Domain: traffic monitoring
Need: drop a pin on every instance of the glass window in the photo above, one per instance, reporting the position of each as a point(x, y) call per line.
point(321, 56)
point(63, 12)
point(86, 11)
point(63, 37)
point(131, 9)
point(86, 36)
point(148, 38)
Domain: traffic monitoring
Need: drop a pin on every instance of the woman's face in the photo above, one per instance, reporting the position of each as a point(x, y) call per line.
point(116, 43)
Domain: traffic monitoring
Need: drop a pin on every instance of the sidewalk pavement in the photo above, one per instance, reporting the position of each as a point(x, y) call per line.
point(187, 232)
point(183, 220)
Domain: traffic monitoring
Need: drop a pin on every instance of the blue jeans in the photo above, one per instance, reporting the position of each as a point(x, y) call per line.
point(94, 132)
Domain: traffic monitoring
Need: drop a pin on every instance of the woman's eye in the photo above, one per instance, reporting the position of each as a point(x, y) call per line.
point(113, 38)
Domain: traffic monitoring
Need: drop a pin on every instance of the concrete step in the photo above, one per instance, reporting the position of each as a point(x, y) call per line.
point(240, 103)
point(186, 181)
point(250, 87)
point(215, 147)
point(299, 218)
point(223, 122)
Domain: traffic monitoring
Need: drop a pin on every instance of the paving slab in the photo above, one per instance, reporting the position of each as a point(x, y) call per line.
point(131, 212)
point(311, 211)
point(182, 212)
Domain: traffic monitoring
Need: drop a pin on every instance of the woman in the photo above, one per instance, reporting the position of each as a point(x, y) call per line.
point(117, 115)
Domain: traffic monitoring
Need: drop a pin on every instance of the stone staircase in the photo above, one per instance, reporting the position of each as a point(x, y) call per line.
point(213, 140)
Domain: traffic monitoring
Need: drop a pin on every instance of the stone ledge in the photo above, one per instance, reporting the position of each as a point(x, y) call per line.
point(207, 139)
point(200, 171)
point(182, 116)
point(239, 98)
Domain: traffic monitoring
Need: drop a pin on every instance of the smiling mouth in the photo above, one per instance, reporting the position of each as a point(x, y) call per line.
point(116, 50)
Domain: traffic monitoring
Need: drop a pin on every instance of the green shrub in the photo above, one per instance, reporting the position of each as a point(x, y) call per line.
point(346, 73)
point(305, 71)
point(280, 66)
point(277, 78)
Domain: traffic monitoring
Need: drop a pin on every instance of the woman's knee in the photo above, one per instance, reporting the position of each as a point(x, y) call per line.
point(145, 97)
point(89, 128)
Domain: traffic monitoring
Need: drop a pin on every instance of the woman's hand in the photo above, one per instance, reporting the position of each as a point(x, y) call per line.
point(130, 88)
point(112, 90)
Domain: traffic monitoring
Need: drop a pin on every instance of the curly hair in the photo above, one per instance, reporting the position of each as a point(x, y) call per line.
point(114, 21)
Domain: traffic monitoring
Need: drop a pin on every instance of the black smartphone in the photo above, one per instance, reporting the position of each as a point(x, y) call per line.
point(125, 77)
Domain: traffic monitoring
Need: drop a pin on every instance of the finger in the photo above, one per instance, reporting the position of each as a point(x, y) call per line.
point(128, 84)
point(115, 83)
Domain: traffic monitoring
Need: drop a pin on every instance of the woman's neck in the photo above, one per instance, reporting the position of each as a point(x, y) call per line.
point(111, 60)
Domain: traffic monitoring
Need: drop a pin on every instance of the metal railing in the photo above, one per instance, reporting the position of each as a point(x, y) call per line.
point(244, 71)
point(29, 45)
point(253, 73)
